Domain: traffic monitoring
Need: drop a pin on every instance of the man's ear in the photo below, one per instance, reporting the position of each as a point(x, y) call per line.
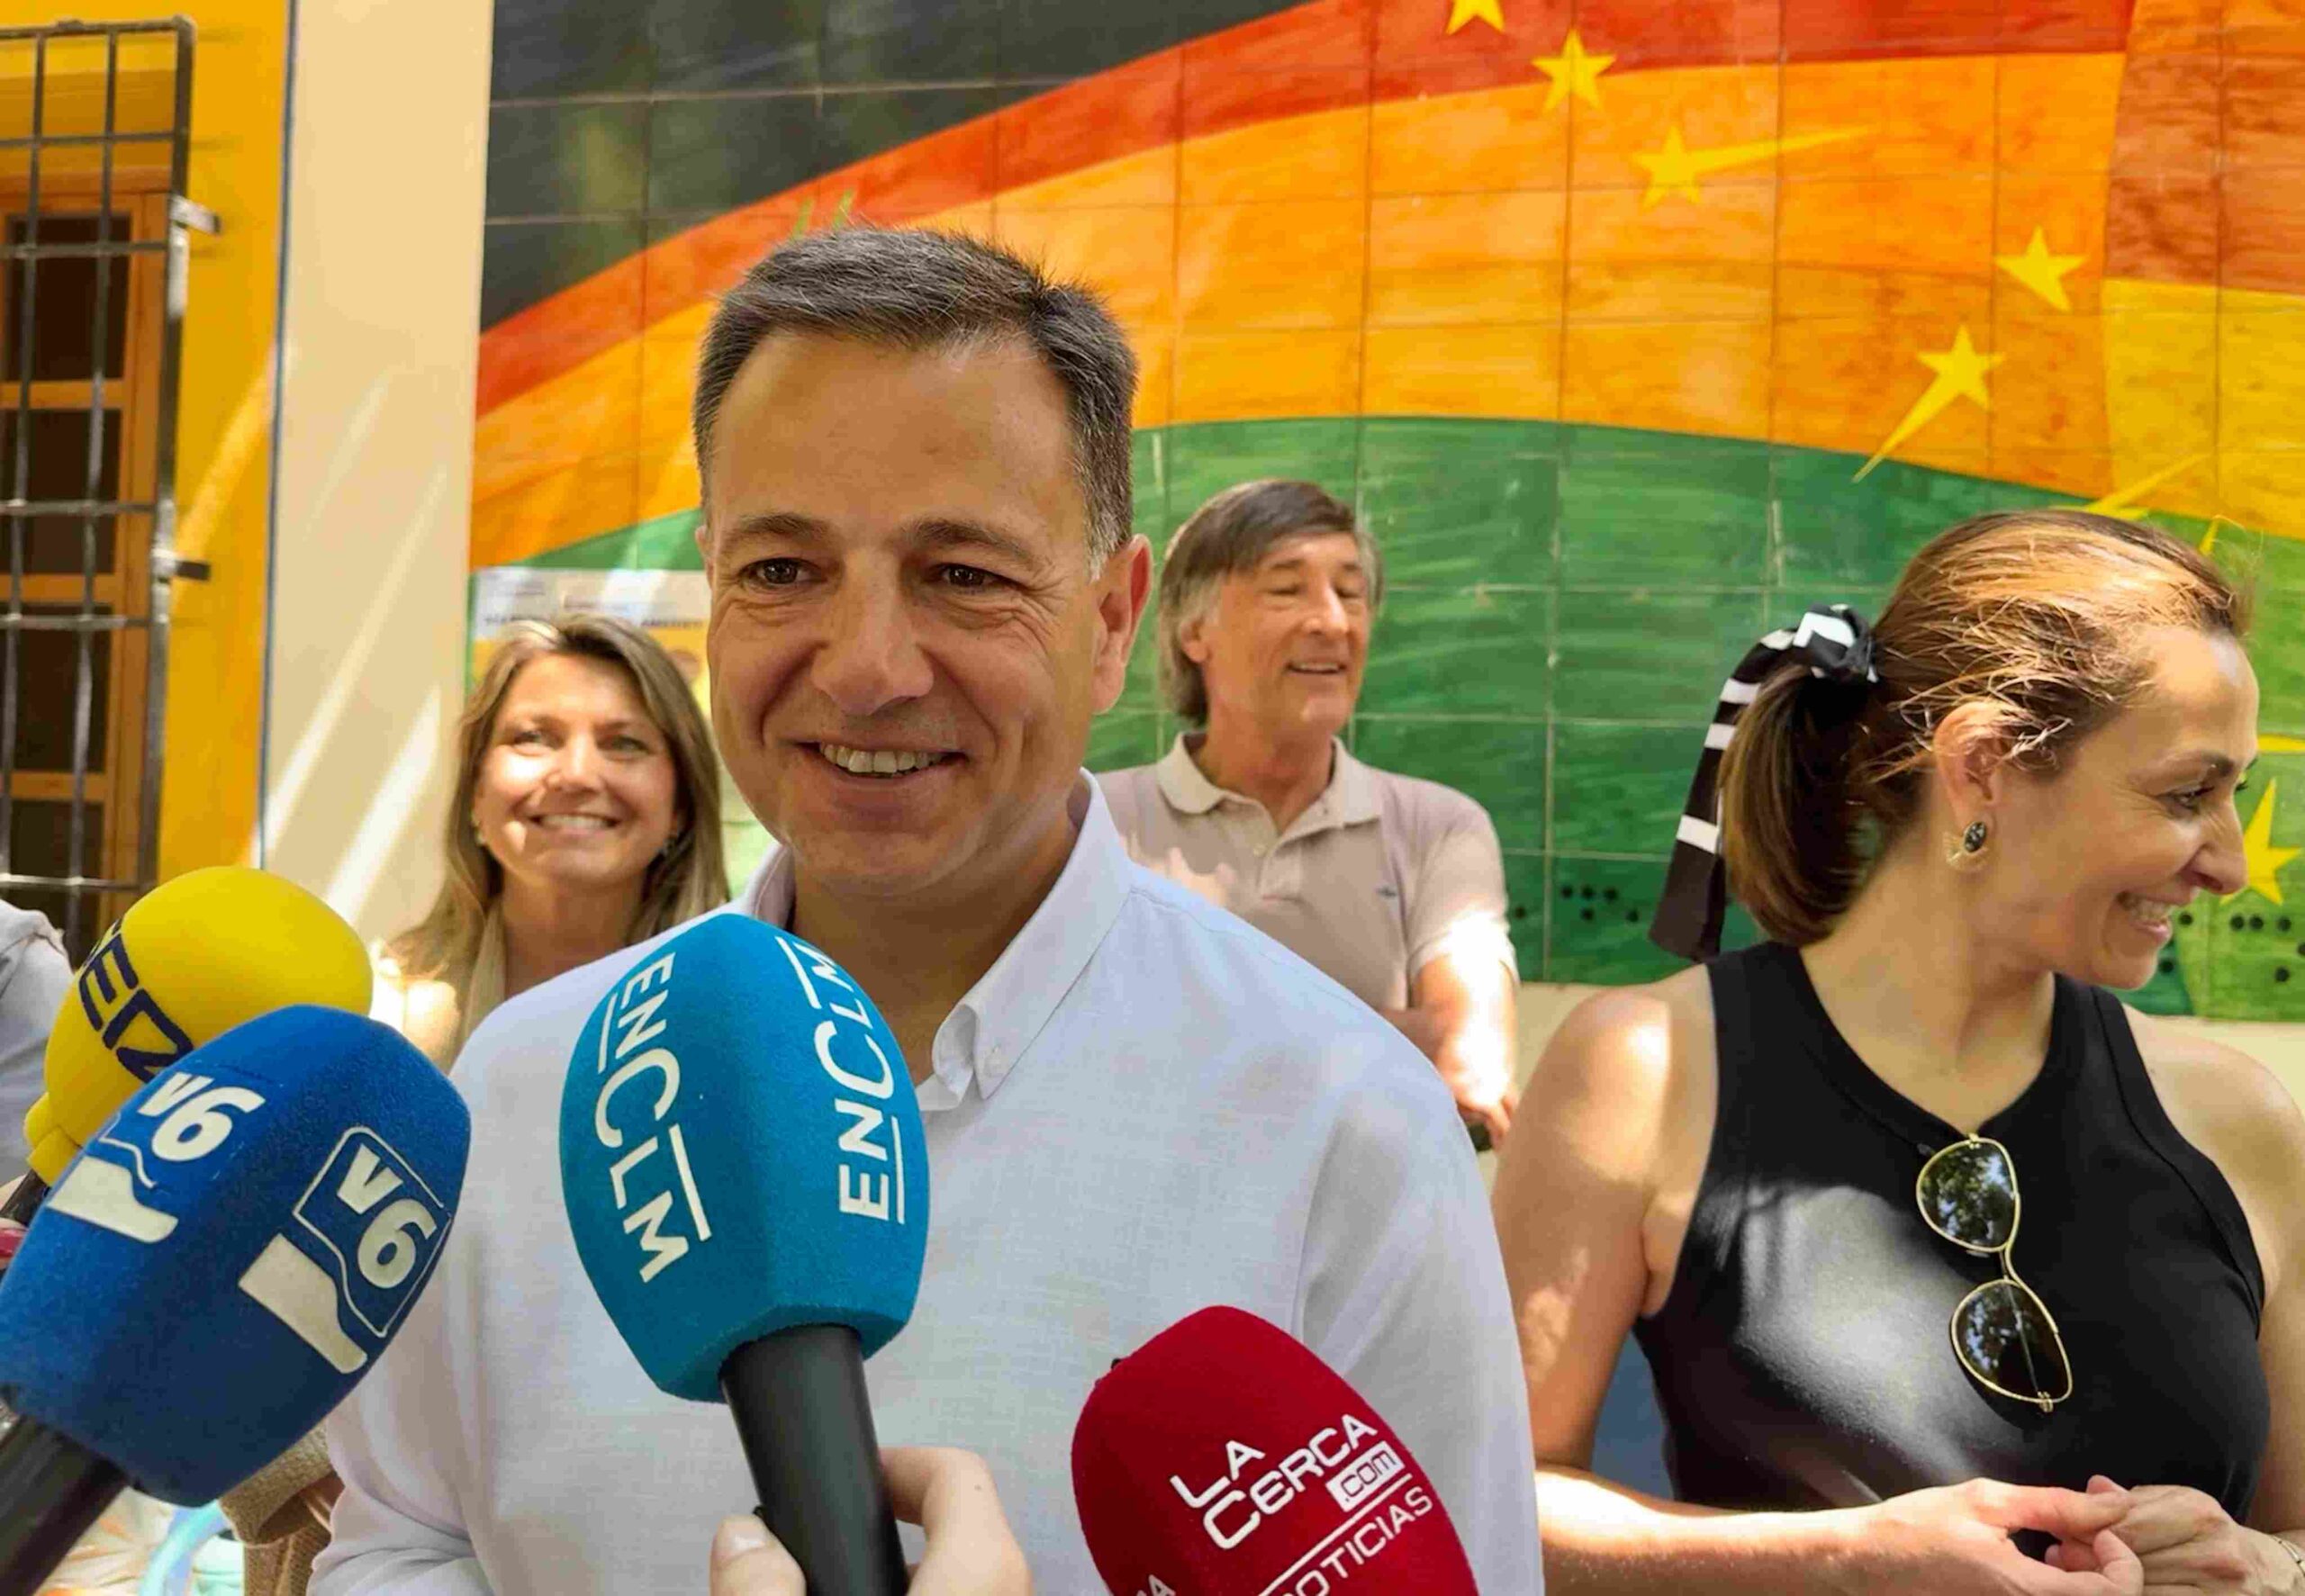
point(1122, 587)
point(1192, 638)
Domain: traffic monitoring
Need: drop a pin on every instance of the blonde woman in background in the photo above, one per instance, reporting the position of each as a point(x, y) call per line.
point(586, 817)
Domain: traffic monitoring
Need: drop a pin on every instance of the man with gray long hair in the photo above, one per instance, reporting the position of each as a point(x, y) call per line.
point(916, 528)
point(1392, 886)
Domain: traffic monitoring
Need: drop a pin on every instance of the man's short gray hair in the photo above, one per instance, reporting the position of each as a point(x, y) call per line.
point(1232, 533)
point(914, 289)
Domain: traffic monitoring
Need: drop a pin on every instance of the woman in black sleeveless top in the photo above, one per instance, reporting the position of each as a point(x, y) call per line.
point(1941, 1257)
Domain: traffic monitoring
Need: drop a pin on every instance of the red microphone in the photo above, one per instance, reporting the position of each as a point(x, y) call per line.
point(1223, 1459)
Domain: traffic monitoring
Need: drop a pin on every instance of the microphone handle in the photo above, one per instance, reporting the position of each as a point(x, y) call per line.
point(51, 1489)
point(25, 1200)
point(806, 1423)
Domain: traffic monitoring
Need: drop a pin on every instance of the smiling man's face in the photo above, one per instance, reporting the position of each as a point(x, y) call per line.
point(907, 643)
point(1282, 645)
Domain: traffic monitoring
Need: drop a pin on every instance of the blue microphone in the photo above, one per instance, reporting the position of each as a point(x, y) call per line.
point(741, 1160)
point(216, 1269)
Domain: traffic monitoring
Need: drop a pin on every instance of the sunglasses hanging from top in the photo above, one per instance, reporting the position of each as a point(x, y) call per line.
point(2003, 1332)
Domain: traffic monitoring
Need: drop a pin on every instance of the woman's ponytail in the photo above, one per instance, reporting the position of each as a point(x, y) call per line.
point(1790, 829)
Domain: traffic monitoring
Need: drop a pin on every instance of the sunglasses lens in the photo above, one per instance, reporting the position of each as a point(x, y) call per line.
point(2003, 1335)
point(1969, 1193)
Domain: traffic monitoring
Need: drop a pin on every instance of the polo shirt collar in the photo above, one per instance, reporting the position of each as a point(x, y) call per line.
point(1349, 799)
point(1352, 789)
point(1182, 783)
point(991, 1028)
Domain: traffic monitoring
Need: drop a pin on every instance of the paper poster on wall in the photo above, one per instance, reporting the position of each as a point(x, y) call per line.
point(670, 606)
point(649, 598)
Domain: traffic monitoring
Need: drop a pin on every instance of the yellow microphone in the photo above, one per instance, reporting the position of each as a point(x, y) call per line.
point(208, 950)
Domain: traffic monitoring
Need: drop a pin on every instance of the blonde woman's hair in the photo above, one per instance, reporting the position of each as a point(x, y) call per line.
point(690, 878)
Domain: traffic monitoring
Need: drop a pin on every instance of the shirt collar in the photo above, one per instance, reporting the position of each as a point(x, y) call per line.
point(984, 1036)
point(1349, 799)
point(1352, 790)
point(1183, 785)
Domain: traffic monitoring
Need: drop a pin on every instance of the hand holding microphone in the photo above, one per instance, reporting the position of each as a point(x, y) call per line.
point(742, 1162)
point(947, 1492)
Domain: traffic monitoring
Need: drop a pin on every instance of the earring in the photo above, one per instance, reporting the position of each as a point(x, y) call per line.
point(671, 842)
point(1967, 851)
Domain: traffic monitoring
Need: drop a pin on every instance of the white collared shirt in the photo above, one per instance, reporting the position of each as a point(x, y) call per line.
point(1143, 1108)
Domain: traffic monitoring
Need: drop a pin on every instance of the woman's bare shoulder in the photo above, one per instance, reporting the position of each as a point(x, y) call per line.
point(2241, 1115)
point(1624, 1057)
point(2234, 1097)
point(1634, 1027)
point(429, 1013)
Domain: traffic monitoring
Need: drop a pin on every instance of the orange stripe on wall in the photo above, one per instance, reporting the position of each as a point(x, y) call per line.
point(1326, 54)
point(1473, 302)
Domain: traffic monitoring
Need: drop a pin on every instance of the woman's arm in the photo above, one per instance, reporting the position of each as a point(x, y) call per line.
point(1573, 1200)
point(2274, 1181)
point(2246, 1122)
point(1591, 1203)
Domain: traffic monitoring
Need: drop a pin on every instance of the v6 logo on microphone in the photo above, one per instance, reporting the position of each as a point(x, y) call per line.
point(183, 1120)
point(365, 1237)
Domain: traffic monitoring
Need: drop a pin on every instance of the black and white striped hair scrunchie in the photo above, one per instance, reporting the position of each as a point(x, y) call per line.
point(1836, 646)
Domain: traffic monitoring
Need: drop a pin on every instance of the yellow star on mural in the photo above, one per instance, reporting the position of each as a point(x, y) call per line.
point(1960, 375)
point(2265, 860)
point(2040, 271)
point(1573, 72)
point(1462, 11)
point(2125, 503)
point(1674, 169)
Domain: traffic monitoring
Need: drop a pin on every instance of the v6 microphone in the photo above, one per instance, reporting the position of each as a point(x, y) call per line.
point(190, 960)
point(1224, 1458)
point(211, 1276)
point(741, 1157)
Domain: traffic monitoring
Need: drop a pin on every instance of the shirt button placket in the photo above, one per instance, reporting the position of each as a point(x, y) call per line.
point(1280, 872)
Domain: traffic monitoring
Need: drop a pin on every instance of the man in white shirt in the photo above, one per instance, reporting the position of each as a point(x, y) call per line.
point(917, 512)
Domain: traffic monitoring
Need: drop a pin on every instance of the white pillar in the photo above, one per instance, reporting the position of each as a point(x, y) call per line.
point(387, 165)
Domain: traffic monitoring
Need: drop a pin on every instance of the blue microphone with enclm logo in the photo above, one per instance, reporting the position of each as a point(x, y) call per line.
point(741, 1157)
point(216, 1268)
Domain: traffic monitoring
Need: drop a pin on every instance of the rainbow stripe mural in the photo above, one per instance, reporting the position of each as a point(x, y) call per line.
point(1632, 327)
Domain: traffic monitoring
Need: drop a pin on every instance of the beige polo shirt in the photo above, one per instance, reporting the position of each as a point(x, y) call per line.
point(1378, 877)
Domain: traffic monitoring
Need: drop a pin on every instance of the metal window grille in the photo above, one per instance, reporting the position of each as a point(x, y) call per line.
point(92, 265)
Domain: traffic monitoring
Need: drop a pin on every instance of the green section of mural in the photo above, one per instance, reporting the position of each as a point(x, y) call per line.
point(1563, 604)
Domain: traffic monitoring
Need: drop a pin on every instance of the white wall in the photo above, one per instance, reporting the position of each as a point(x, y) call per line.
point(387, 156)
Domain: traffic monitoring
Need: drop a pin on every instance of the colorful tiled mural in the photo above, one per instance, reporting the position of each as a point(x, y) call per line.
point(1631, 326)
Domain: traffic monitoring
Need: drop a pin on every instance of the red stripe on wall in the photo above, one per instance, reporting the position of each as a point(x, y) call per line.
point(1312, 58)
